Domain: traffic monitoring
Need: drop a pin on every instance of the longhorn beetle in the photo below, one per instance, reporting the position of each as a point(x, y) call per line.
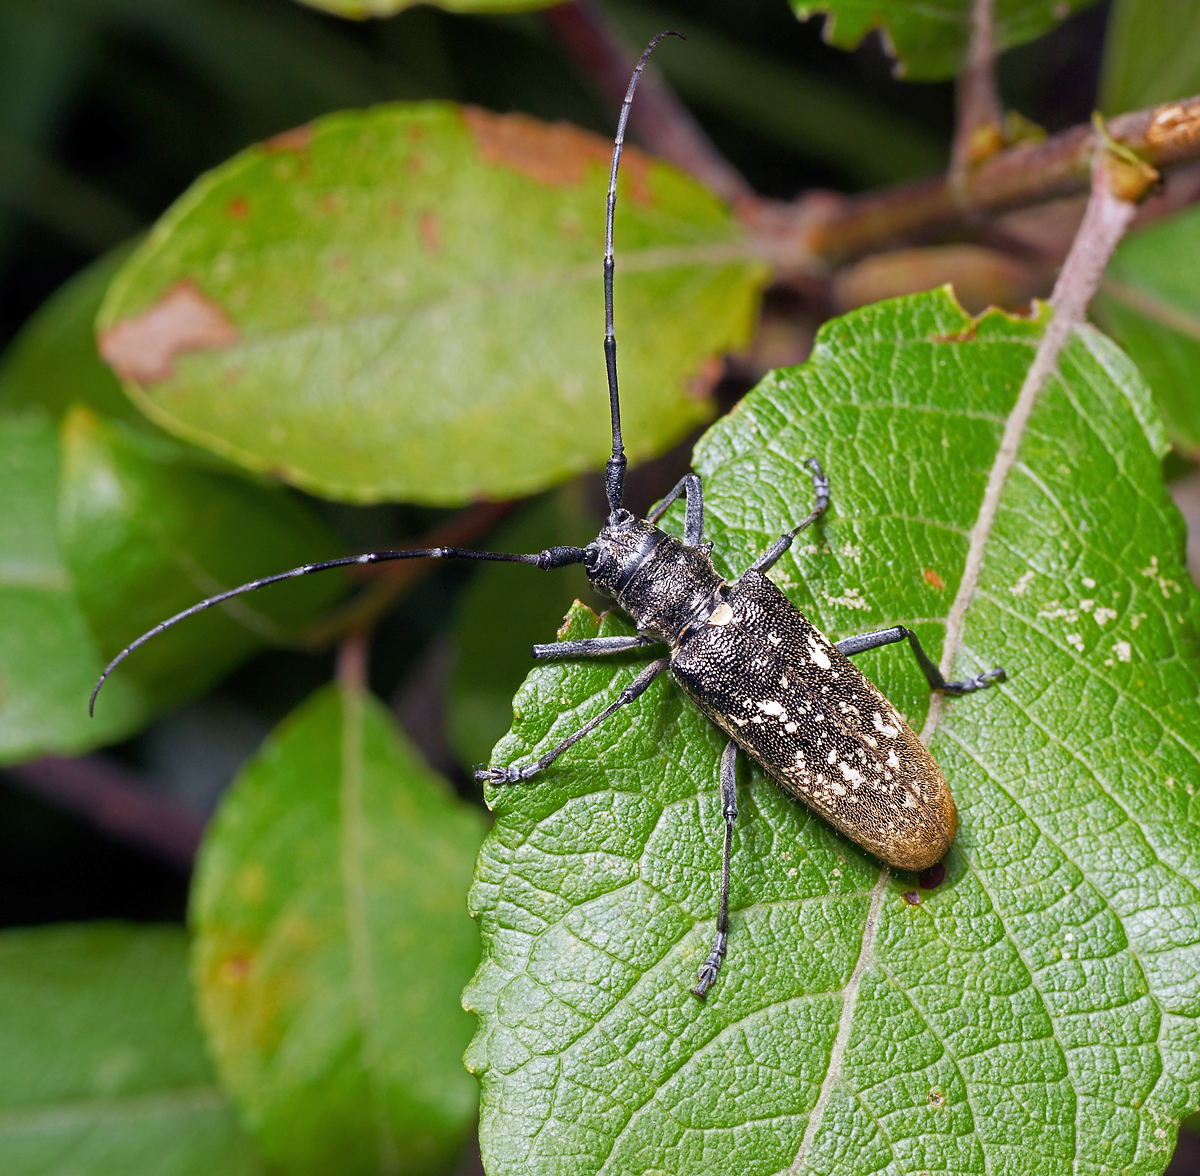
point(777, 686)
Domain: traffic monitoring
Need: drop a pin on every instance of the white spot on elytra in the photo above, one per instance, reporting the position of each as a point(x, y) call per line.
point(721, 615)
point(818, 655)
point(884, 728)
point(784, 682)
point(851, 773)
point(773, 638)
point(893, 760)
point(790, 728)
point(771, 707)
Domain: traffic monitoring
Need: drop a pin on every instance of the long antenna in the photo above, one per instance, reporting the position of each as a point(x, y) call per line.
point(551, 557)
point(614, 471)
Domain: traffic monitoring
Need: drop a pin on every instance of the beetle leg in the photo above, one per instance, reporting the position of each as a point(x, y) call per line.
point(593, 646)
point(693, 520)
point(513, 774)
point(712, 965)
point(821, 490)
point(873, 640)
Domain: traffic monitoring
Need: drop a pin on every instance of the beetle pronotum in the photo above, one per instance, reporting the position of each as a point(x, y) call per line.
point(777, 686)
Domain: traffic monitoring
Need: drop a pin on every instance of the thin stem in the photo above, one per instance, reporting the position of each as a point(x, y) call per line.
point(979, 115)
point(661, 123)
point(117, 801)
point(830, 233)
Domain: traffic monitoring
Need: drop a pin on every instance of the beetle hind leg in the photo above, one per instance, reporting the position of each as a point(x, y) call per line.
point(711, 966)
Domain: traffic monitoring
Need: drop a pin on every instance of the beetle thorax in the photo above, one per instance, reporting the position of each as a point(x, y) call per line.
point(656, 579)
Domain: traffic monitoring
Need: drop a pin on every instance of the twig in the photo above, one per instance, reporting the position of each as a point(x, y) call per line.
point(660, 122)
point(978, 129)
point(831, 233)
point(393, 580)
point(352, 658)
point(116, 801)
point(1108, 216)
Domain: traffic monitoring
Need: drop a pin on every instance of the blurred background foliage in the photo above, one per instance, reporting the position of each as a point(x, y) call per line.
point(109, 111)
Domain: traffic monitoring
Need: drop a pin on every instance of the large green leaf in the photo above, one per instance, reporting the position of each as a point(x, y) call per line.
point(406, 303)
point(1037, 1012)
point(1151, 53)
point(48, 657)
point(53, 361)
point(1150, 302)
point(332, 944)
point(929, 39)
point(150, 527)
point(102, 1069)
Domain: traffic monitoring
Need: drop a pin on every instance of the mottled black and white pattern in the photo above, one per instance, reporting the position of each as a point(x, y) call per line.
point(781, 690)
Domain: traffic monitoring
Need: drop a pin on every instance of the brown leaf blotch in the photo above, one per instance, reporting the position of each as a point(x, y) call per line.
point(430, 229)
point(933, 579)
point(557, 154)
point(297, 139)
point(238, 208)
point(144, 348)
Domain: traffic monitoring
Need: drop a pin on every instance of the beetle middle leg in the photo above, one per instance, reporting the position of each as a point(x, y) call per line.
point(770, 557)
point(712, 965)
point(877, 637)
point(513, 774)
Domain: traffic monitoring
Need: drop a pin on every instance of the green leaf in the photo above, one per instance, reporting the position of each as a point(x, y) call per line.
point(150, 527)
point(1150, 302)
point(929, 40)
point(48, 657)
point(53, 362)
point(406, 304)
point(502, 613)
point(1151, 54)
point(332, 943)
point(359, 9)
point(102, 1068)
point(1037, 1013)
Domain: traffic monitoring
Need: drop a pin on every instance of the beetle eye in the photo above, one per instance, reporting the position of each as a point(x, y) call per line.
point(591, 557)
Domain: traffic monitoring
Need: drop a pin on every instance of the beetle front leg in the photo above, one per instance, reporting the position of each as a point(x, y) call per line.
point(712, 965)
point(693, 520)
point(593, 646)
point(878, 637)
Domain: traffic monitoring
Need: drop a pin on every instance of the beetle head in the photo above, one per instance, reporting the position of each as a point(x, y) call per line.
point(618, 551)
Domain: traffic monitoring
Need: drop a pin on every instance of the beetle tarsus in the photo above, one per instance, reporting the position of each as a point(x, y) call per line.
point(708, 970)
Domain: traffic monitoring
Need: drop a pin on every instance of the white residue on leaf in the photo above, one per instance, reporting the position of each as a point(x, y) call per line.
point(1165, 586)
point(1088, 582)
point(1103, 615)
point(851, 598)
point(1054, 612)
point(1018, 589)
point(1123, 650)
point(1075, 641)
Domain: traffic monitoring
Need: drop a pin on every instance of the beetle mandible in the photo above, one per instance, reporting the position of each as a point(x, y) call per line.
point(777, 686)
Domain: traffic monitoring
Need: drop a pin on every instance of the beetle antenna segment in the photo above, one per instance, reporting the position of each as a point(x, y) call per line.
point(614, 471)
point(552, 557)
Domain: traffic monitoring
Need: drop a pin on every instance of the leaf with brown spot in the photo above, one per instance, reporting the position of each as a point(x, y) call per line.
point(144, 348)
point(416, 312)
